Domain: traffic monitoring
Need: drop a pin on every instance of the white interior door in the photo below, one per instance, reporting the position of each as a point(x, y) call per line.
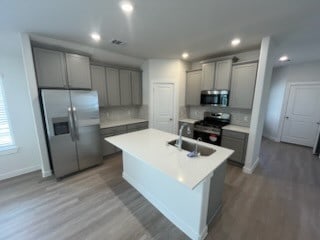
point(302, 117)
point(163, 106)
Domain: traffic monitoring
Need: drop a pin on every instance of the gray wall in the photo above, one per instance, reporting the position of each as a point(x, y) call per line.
point(304, 72)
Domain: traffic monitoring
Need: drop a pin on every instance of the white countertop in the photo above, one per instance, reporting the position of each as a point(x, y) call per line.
point(236, 128)
point(116, 123)
point(189, 120)
point(150, 146)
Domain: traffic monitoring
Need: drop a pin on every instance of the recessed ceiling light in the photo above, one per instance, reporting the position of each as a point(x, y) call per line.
point(185, 55)
point(235, 42)
point(95, 36)
point(127, 7)
point(284, 58)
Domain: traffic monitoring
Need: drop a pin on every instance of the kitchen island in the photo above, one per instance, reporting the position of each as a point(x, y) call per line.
point(186, 190)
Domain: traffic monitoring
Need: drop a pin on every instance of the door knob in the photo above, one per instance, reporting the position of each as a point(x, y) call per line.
point(318, 123)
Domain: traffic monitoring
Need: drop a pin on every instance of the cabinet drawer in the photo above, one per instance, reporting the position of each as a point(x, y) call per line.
point(114, 130)
point(233, 134)
point(137, 126)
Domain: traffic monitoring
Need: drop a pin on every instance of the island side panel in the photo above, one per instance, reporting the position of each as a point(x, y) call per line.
point(186, 208)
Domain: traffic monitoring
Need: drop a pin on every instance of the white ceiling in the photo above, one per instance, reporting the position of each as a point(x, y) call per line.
point(166, 28)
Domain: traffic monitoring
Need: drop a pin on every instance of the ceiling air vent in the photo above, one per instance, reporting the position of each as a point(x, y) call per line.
point(118, 42)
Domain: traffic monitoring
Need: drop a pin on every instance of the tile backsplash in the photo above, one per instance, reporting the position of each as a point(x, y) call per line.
point(240, 117)
point(143, 112)
point(118, 113)
point(183, 112)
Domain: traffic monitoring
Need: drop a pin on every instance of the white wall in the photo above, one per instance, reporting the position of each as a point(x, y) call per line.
point(165, 71)
point(260, 103)
point(28, 157)
point(303, 72)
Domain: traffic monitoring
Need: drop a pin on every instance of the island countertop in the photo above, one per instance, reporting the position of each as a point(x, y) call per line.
point(150, 146)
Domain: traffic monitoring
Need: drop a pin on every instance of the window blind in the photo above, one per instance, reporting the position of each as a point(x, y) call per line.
point(6, 139)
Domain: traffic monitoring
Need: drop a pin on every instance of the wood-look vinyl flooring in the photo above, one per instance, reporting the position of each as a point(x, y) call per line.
point(281, 200)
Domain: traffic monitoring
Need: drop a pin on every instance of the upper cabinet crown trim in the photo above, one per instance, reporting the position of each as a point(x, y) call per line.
point(111, 65)
point(36, 44)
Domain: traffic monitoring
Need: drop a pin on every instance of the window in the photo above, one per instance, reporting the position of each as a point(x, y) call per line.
point(6, 138)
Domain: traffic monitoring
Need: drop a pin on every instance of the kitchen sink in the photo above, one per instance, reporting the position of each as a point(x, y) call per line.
point(189, 146)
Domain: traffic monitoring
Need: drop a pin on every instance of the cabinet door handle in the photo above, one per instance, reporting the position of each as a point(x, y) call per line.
point(170, 119)
point(287, 117)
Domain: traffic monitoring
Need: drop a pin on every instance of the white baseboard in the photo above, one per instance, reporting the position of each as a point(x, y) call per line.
point(272, 138)
point(165, 211)
point(46, 173)
point(19, 172)
point(250, 169)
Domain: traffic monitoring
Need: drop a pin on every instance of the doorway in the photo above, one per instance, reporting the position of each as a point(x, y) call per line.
point(163, 106)
point(302, 114)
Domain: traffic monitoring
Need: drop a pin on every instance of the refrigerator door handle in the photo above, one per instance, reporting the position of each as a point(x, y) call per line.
point(71, 123)
point(76, 126)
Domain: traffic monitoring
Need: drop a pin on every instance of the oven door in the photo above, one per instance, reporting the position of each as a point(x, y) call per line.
point(208, 137)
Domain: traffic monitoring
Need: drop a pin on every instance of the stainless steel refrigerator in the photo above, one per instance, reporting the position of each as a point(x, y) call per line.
point(73, 129)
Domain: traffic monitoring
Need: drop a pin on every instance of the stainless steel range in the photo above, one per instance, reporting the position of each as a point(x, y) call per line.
point(210, 128)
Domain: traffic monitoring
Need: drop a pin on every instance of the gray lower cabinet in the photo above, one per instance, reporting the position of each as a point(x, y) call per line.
point(185, 129)
point(50, 68)
point(236, 141)
point(55, 69)
point(98, 78)
point(137, 127)
point(125, 88)
point(113, 87)
point(193, 88)
point(78, 71)
point(243, 85)
point(108, 148)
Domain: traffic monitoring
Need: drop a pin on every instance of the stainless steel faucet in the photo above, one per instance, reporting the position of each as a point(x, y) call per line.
point(179, 141)
point(196, 145)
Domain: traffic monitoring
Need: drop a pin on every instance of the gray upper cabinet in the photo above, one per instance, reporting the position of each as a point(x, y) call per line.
point(113, 87)
point(125, 87)
point(98, 78)
point(193, 88)
point(50, 68)
point(208, 73)
point(223, 74)
point(136, 82)
point(243, 85)
point(78, 69)
point(57, 69)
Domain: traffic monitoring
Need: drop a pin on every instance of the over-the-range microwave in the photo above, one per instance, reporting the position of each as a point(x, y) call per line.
point(215, 98)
